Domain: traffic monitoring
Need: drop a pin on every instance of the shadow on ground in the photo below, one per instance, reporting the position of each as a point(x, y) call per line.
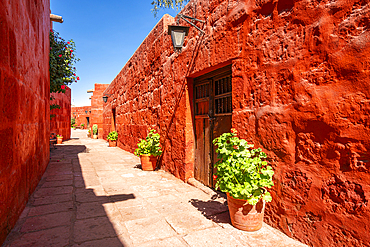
point(214, 209)
point(63, 212)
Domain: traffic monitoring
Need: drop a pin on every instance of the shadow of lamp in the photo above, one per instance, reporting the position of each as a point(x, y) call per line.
point(178, 32)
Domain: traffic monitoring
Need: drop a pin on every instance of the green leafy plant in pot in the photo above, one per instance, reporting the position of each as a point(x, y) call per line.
point(112, 138)
point(59, 139)
point(244, 174)
point(148, 150)
point(95, 131)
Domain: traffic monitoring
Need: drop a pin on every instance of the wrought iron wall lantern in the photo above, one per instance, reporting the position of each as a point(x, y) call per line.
point(86, 112)
point(178, 32)
point(105, 97)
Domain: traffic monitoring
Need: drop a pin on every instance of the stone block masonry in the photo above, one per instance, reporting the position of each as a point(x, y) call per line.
point(24, 104)
point(300, 90)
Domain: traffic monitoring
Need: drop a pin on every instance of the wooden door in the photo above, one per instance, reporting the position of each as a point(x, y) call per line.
point(213, 111)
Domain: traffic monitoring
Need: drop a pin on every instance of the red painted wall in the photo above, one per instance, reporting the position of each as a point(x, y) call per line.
point(97, 108)
point(24, 104)
point(301, 91)
point(61, 123)
point(80, 115)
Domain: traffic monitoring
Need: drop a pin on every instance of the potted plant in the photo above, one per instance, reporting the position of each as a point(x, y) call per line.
point(82, 126)
point(59, 139)
point(244, 174)
point(148, 149)
point(95, 131)
point(112, 138)
point(73, 123)
point(89, 133)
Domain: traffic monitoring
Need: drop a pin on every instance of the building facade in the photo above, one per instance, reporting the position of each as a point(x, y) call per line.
point(291, 76)
point(97, 108)
point(82, 115)
point(60, 120)
point(24, 104)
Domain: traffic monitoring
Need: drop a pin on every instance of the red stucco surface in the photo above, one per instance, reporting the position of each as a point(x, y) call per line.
point(80, 115)
point(301, 91)
point(24, 104)
point(61, 123)
point(97, 108)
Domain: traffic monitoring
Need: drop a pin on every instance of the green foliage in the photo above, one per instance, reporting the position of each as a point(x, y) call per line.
point(52, 107)
point(82, 125)
point(113, 136)
point(59, 136)
point(241, 170)
point(149, 145)
point(73, 122)
point(62, 60)
point(166, 4)
point(95, 129)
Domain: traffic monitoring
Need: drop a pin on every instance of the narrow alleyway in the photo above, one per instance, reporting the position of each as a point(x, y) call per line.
point(92, 195)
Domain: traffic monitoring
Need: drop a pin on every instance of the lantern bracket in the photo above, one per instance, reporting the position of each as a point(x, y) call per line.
point(192, 19)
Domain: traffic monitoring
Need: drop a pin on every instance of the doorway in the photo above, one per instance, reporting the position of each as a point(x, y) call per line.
point(87, 122)
point(113, 126)
point(213, 117)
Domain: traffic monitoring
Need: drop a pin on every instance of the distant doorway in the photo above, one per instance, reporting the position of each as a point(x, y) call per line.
point(88, 122)
point(213, 117)
point(113, 119)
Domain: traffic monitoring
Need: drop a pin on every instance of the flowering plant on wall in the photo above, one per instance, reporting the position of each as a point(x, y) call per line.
point(242, 171)
point(62, 61)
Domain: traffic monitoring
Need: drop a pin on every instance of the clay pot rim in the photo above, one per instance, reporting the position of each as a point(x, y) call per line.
point(243, 200)
point(148, 155)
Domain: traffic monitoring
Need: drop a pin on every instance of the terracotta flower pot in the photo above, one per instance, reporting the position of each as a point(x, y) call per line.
point(148, 162)
point(95, 136)
point(59, 140)
point(112, 143)
point(245, 216)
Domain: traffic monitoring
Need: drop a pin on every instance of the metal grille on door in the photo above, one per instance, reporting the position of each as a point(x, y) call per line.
point(223, 90)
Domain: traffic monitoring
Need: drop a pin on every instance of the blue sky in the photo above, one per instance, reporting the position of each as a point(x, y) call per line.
point(106, 34)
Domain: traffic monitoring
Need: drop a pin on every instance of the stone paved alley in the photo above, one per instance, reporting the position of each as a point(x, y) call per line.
point(93, 195)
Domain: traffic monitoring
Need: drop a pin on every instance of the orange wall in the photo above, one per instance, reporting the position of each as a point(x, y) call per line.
point(97, 108)
point(301, 91)
point(80, 115)
point(61, 123)
point(24, 104)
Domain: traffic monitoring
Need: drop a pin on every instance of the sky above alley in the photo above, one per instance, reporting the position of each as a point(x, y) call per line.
point(106, 34)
